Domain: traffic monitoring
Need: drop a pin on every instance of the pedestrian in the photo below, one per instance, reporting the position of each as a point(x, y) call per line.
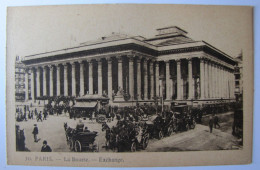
point(211, 122)
point(39, 116)
point(45, 147)
point(216, 120)
point(36, 112)
point(32, 115)
point(35, 133)
point(45, 114)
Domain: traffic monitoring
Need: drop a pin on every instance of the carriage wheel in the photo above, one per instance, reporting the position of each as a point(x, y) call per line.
point(133, 147)
point(170, 130)
point(145, 142)
point(71, 144)
point(193, 124)
point(187, 127)
point(96, 147)
point(160, 135)
point(77, 146)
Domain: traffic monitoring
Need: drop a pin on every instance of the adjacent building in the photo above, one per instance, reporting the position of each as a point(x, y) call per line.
point(20, 90)
point(238, 72)
point(130, 69)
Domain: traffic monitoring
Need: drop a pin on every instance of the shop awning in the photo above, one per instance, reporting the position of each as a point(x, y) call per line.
point(85, 104)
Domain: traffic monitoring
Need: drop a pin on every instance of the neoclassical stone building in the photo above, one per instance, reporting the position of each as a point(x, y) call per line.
point(170, 65)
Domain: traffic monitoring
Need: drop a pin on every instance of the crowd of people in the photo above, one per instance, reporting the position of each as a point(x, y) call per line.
point(31, 113)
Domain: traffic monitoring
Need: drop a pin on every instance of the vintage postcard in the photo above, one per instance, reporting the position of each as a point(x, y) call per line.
point(129, 85)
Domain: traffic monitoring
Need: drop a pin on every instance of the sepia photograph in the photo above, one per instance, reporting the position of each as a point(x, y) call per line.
point(121, 79)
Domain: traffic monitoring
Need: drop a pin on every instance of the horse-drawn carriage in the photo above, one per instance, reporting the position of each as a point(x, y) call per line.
point(126, 136)
point(159, 126)
point(185, 119)
point(79, 141)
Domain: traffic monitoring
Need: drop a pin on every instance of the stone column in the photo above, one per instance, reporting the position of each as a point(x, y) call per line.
point(151, 80)
point(179, 88)
point(168, 82)
point(100, 90)
point(32, 84)
point(210, 79)
point(191, 85)
point(109, 79)
point(120, 73)
point(51, 80)
point(202, 78)
point(206, 80)
point(131, 76)
point(218, 84)
point(65, 79)
point(44, 72)
point(26, 97)
point(225, 83)
point(216, 78)
point(139, 91)
point(216, 81)
point(157, 78)
point(81, 70)
point(213, 80)
point(38, 83)
point(145, 80)
point(90, 77)
point(73, 79)
point(58, 79)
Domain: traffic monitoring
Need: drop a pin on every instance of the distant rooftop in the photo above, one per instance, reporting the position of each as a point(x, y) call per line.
point(172, 30)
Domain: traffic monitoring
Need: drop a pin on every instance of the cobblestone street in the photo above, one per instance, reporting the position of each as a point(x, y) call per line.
point(52, 130)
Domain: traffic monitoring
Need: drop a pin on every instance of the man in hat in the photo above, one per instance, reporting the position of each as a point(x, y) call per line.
point(35, 133)
point(211, 122)
point(80, 126)
point(45, 147)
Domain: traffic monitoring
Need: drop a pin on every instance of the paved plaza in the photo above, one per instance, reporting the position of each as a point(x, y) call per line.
point(52, 130)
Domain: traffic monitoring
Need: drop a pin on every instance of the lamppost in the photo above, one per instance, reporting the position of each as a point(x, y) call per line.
point(156, 103)
point(137, 96)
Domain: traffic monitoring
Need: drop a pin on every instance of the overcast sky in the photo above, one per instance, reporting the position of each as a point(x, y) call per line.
point(34, 30)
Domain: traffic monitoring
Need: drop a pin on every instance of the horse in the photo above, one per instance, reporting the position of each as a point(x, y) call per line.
point(68, 131)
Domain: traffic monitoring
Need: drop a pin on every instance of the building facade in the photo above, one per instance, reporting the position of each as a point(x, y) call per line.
point(20, 81)
point(126, 69)
point(238, 72)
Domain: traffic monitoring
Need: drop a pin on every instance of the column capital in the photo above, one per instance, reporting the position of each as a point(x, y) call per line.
point(51, 67)
point(109, 60)
point(64, 64)
point(44, 67)
point(119, 59)
point(152, 60)
point(145, 60)
point(72, 63)
point(31, 68)
point(99, 60)
point(131, 59)
point(138, 59)
point(56, 64)
point(167, 61)
point(202, 59)
point(81, 62)
point(189, 60)
point(26, 69)
point(178, 61)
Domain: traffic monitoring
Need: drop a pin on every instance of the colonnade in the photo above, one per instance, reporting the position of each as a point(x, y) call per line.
point(139, 77)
